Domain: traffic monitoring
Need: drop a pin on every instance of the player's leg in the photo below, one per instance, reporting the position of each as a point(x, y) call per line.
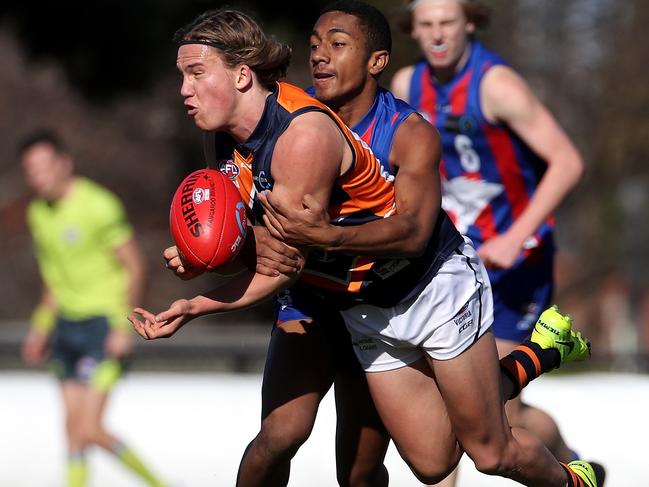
point(471, 390)
point(99, 375)
point(469, 380)
point(77, 468)
point(414, 414)
point(298, 374)
point(63, 363)
point(533, 419)
point(520, 295)
point(361, 438)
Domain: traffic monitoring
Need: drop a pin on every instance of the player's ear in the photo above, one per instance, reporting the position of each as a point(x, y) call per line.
point(378, 62)
point(243, 77)
point(470, 28)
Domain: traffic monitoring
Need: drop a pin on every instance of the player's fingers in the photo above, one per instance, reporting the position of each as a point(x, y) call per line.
point(263, 199)
point(272, 229)
point(165, 316)
point(275, 203)
point(174, 262)
point(138, 326)
point(265, 270)
point(287, 268)
point(170, 252)
point(147, 315)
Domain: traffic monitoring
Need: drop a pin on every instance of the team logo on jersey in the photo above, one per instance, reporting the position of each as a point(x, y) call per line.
point(230, 169)
point(200, 195)
point(262, 180)
point(71, 235)
point(468, 124)
point(465, 124)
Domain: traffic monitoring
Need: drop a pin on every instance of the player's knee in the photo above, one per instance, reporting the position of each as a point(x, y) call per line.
point(74, 429)
point(491, 459)
point(434, 471)
point(91, 434)
point(281, 440)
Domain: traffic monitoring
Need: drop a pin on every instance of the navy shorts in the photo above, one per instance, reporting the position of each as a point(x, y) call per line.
point(78, 347)
point(298, 303)
point(521, 294)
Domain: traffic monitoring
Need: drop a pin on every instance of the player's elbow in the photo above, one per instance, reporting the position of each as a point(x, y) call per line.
point(416, 241)
point(578, 169)
point(572, 166)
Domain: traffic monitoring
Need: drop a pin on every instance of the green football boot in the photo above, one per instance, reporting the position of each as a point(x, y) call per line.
point(585, 472)
point(554, 330)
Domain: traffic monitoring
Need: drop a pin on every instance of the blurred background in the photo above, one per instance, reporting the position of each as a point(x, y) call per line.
point(103, 73)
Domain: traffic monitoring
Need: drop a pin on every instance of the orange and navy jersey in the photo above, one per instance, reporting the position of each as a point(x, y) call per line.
point(364, 193)
point(488, 173)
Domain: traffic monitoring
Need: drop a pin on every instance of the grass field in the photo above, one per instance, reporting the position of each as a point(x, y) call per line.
point(192, 428)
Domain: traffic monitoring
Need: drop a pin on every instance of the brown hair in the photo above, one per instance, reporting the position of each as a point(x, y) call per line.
point(475, 12)
point(239, 40)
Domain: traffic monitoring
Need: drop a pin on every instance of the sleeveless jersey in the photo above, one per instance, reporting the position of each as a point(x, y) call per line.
point(364, 193)
point(75, 240)
point(488, 173)
point(378, 128)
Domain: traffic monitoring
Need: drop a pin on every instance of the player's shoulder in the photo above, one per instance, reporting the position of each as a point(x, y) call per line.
point(400, 84)
point(501, 80)
point(293, 98)
point(96, 195)
point(415, 126)
point(503, 90)
point(416, 136)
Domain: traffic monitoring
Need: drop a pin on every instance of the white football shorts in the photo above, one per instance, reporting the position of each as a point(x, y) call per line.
point(451, 312)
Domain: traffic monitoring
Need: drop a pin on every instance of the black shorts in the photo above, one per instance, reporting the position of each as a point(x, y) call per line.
point(78, 347)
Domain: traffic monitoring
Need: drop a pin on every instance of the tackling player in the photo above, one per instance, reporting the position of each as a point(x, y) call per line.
point(296, 147)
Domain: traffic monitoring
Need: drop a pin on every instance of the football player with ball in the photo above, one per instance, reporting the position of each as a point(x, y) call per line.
point(435, 389)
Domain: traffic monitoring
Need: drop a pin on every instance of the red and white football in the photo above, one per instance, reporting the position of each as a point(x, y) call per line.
point(207, 220)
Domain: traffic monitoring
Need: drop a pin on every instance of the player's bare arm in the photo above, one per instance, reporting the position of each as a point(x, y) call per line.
point(307, 158)
point(507, 98)
point(415, 154)
point(34, 347)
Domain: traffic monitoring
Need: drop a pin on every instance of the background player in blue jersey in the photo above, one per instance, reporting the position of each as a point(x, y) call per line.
point(506, 166)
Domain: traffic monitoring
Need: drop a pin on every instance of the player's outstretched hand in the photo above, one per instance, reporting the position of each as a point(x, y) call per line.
point(175, 264)
point(308, 227)
point(164, 324)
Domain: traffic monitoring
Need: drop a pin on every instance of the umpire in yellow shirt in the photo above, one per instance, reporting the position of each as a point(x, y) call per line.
point(92, 272)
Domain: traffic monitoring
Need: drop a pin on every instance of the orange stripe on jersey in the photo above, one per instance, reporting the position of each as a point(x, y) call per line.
point(367, 187)
point(243, 179)
point(365, 192)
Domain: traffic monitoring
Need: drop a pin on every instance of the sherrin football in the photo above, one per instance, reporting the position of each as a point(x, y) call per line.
point(207, 220)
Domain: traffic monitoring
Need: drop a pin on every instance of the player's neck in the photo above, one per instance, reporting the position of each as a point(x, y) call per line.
point(62, 190)
point(351, 111)
point(444, 75)
point(248, 114)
